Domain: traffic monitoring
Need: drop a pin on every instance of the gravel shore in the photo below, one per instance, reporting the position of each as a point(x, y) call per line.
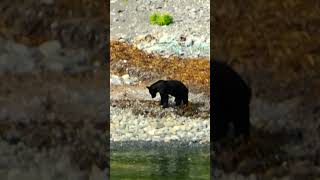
point(127, 126)
point(136, 116)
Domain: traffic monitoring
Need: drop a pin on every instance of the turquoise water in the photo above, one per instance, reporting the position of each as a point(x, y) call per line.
point(159, 163)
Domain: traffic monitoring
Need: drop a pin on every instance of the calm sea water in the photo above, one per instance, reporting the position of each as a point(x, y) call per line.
point(160, 162)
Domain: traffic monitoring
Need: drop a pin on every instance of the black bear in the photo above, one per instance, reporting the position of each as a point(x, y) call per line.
point(230, 100)
point(169, 87)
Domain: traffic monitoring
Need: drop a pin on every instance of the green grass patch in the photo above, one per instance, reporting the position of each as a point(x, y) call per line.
point(161, 19)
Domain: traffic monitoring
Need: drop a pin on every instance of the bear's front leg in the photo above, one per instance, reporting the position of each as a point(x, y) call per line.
point(161, 101)
point(178, 101)
point(164, 100)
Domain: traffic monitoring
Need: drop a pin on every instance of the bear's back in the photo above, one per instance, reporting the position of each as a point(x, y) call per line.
point(157, 85)
point(175, 84)
point(173, 87)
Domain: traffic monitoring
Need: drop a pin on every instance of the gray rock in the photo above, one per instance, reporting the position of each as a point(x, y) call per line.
point(19, 117)
point(76, 57)
point(189, 42)
point(54, 67)
point(5, 64)
point(50, 48)
point(18, 49)
point(160, 125)
point(2, 46)
point(14, 63)
point(116, 80)
point(72, 62)
point(25, 65)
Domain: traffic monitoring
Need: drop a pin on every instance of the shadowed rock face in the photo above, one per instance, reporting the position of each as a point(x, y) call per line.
point(230, 101)
point(286, 87)
point(74, 24)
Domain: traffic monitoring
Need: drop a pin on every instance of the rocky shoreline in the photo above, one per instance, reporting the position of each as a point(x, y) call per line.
point(169, 147)
point(136, 116)
point(157, 125)
point(130, 23)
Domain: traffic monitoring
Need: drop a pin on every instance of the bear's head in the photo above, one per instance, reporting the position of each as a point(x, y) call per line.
point(152, 91)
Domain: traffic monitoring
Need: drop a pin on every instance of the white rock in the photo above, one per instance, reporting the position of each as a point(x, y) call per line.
point(116, 80)
point(151, 132)
point(174, 137)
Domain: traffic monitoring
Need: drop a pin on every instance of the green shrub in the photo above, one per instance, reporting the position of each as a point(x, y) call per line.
point(157, 18)
point(154, 18)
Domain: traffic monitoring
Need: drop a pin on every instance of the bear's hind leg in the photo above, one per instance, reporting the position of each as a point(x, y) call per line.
point(185, 99)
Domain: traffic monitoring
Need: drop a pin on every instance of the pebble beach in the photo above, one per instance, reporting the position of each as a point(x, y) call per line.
point(140, 120)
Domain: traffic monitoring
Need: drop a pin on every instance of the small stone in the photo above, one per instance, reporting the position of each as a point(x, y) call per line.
point(159, 125)
point(189, 42)
point(122, 40)
point(126, 79)
point(151, 132)
point(50, 48)
point(174, 137)
point(167, 139)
